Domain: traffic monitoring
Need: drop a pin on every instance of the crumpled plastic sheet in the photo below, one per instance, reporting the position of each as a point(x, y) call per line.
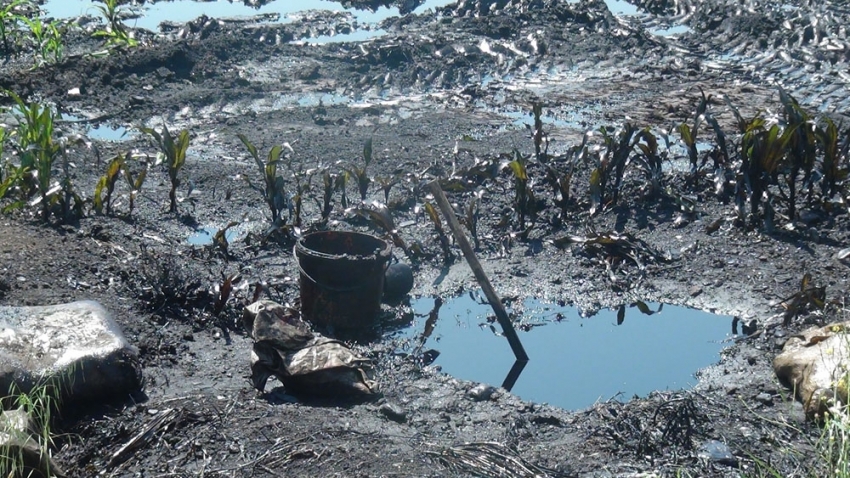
point(303, 361)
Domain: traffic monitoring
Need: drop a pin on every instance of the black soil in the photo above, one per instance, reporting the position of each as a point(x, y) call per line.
point(434, 94)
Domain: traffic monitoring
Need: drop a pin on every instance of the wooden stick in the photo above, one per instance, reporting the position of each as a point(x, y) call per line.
point(480, 276)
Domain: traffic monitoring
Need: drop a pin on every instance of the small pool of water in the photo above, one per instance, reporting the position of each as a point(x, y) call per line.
point(186, 10)
point(99, 131)
point(575, 361)
point(204, 236)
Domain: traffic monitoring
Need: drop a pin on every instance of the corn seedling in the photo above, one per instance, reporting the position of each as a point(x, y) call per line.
point(360, 173)
point(448, 256)
point(386, 184)
point(37, 149)
point(835, 157)
point(10, 22)
point(47, 39)
point(341, 185)
point(471, 216)
point(107, 183)
point(612, 162)
point(135, 183)
point(174, 153)
point(327, 194)
point(116, 33)
point(524, 201)
point(650, 159)
point(802, 148)
point(689, 135)
point(303, 182)
point(763, 151)
point(538, 136)
point(273, 190)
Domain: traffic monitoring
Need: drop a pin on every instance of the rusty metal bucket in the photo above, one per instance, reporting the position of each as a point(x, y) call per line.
point(342, 279)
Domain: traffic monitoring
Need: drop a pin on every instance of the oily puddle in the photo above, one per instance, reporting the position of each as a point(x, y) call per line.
point(575, 361)
point(180, 11)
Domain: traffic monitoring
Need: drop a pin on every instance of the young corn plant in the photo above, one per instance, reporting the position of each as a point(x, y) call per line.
point(135, 183)
point(448, 256)
point(650, 159)
point(37, 150)
point(303, 181)
point(328, 180)
point(115, 34)
point(802, 149)
point(107, 183)
point(611, 165)
point(174, 153)
point(9, 24)
point(47, 39)
point(763, 151)
point(835, 157)
point(524, 201)
point(360, 173)
point(689, 136)
point(273, 189)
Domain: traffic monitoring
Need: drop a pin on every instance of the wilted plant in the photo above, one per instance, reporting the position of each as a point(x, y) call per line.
point(387, 183)
point(116, 33)
point(471, 216)
point(808, 297)
point(538, 136)
point(303, 181)
point(835, 155)
point(651, 159)
point(107, 183)
point(273, 191)
point(524, 201)
point(360, 173)
point(174, 153)
point(762, 152)
point(328, 180)
point(448, 256)
point(689, 135)
point(612, 163)
point(341, 185)
point(220, 238)
point(135, 183)
point(802, 148)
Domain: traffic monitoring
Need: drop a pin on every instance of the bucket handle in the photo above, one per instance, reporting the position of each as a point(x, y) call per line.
point(333, 289)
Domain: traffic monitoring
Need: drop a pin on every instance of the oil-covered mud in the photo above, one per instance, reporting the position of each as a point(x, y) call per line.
point(440, 92)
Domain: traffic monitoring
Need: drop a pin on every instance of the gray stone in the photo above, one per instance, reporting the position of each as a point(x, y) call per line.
point(481, 392)
point(398, 280)
point(717, 452)
point(393, 412)
point(765, 399)
point(77, 347)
